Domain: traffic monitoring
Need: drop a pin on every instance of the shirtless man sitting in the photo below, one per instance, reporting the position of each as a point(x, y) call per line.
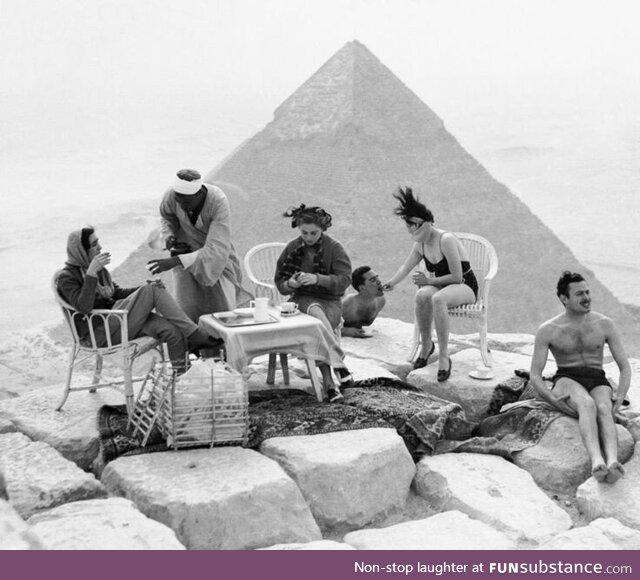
point(580, 389)
point(361, 309)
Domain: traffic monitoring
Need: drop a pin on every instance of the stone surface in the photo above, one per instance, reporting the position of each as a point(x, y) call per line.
point(348, 478)
point(471, 394)
point(7, 426)
point(102, 524)
point(451, 530)
point(492, 490)
point(600, 534)
point(559, 461)
point(319, 545)
point(389, 345)
point(620, 500)
point(15, 534)
point(73, 430)
point(3, 487)
point(38, 477)
point(631, 422)
point(221, 498)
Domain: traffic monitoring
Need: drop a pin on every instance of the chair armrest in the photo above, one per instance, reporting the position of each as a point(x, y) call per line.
point(102, 316)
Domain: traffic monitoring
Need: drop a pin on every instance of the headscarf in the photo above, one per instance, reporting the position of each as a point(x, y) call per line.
point(77, 256)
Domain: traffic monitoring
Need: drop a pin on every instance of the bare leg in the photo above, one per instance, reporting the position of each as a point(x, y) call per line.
point(424, 318)
point(585, 406)
point(445, 298)
point(608, 435)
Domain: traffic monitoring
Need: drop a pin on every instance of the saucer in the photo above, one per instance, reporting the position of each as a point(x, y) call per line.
point(244, 312)
point(478, 376)
point(287, 314)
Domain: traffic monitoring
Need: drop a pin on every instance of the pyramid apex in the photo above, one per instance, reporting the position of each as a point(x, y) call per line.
point(352, 88)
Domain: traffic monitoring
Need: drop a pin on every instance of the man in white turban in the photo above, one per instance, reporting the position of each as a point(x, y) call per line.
point(196, 230)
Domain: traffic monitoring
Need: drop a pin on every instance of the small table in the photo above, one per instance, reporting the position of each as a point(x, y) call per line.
point(300, 335)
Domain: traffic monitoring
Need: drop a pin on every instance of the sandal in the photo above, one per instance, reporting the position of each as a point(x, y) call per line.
point(444, 375)
point(423, 362)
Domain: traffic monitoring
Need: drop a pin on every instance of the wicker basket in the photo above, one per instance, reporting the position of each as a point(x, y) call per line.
point(207, 407)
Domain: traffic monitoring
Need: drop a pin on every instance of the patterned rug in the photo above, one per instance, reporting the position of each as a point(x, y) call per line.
point(520, 426)
point(420, 419)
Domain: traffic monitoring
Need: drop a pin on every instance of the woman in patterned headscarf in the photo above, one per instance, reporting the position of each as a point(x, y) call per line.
point(316, 270)
point(85, 283)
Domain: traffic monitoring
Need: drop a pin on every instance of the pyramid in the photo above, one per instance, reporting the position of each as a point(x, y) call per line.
point(345, 140)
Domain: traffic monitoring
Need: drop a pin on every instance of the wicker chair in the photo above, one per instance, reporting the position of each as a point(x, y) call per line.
point(260, 265)
point(484, 262)
point(82, 350)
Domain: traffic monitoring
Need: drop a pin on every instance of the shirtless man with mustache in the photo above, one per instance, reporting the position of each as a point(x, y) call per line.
point(576, 339)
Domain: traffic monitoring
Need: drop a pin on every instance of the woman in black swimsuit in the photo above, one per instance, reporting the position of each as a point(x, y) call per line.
point(453, 282)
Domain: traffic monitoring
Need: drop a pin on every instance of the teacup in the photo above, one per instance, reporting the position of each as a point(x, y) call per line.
point(288, 307)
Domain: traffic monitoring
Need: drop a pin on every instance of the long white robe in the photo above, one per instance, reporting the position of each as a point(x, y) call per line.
point(210, 277)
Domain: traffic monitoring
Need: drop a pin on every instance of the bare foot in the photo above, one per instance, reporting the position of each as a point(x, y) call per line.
point(600, 472)
point(616, 471)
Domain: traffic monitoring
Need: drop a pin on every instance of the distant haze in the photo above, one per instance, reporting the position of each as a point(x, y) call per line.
point(101, 101)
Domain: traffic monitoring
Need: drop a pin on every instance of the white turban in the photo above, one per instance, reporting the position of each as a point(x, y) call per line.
point(187, 187)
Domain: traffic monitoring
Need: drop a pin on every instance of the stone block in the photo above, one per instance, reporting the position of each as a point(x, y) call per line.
point(451, 530)
point(348, 478)
point(15, 533)
point(222, 498)
point(619, 500)
point(38, 477)
point(319, 545)
point(600, 534)
point(491, 489)
point(471, 394)
point(559, 461)
point(73, 430)
point(102, 524)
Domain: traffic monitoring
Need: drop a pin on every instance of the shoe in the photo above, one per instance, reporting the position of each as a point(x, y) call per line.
point(197, 343)
point(346, 378)
point(423, 362)
point(334, 395)
point(444, 375)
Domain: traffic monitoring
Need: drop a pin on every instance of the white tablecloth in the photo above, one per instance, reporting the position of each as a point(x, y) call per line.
point(300, 335)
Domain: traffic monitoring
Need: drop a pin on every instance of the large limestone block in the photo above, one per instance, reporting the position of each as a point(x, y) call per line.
point(620, 500)
point(73, 430)
point(319, 545)
point(222, 498)
point(389, 345)
point(102, 524)
point(600, 534)
point(348, 478)
point(471, 394)
point(559, 461)
point(451, 530)
point(490, 489)
point(38, 477)
point(7, 426)
point(15, 534)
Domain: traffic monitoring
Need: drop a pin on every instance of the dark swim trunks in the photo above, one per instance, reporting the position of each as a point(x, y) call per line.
point(588, 377)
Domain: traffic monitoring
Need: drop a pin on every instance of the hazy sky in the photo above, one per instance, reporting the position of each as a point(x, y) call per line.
point(102, 100)
point(80, 70)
